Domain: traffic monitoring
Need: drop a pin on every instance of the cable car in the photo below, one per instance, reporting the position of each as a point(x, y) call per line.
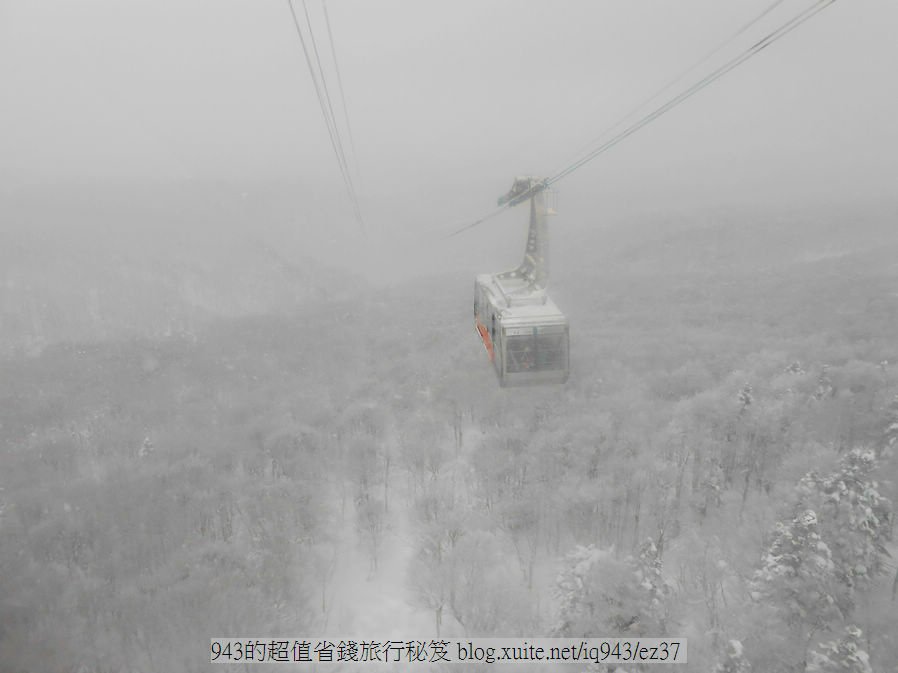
point(525, 334)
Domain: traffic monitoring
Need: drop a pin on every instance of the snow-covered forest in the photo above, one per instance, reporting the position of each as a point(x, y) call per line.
point(721, 465)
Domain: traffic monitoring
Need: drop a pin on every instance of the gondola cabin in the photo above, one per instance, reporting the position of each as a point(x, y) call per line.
point(523, 331)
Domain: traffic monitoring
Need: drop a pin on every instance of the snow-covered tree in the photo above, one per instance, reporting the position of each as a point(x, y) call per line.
point(890, 433)
point(577, 601)
point(711, 489)
point(648, 573)
point(745, 396)
point(431, 580)
point(599, 594)
point(854, 519)
point(843, 656)
point(487, 597)
point(797, 574)
point(733, 660)
point(795, 368)
point(825, 386)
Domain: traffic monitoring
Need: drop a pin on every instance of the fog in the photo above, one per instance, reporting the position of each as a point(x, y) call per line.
point(231, 407)
point(447, 103)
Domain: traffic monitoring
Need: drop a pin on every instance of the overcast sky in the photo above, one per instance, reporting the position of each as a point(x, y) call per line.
point(450, 100)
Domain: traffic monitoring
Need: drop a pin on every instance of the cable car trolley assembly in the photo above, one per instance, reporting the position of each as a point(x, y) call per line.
point(525, 334)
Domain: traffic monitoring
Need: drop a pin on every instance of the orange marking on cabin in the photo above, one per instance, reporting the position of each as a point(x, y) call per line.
point(485, 335)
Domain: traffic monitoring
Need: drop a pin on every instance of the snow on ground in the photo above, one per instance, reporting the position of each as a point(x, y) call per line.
point(369, 605)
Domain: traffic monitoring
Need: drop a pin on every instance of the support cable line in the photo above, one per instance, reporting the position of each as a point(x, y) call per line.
point(327, 112)
point(327, 96)
point(473, 224)
point(678, 78)
point(333, 118)
point(762, 44)
point(716, 74)
point(330, 36)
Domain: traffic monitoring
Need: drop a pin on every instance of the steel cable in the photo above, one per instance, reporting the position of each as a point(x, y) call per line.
point(333, 132)
point(759, 46)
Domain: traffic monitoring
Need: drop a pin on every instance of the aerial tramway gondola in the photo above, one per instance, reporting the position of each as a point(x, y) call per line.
point(524, 332)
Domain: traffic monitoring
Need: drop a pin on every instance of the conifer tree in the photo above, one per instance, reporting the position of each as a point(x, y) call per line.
point(854, 520)
point(798, 576)
point(843, 656)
